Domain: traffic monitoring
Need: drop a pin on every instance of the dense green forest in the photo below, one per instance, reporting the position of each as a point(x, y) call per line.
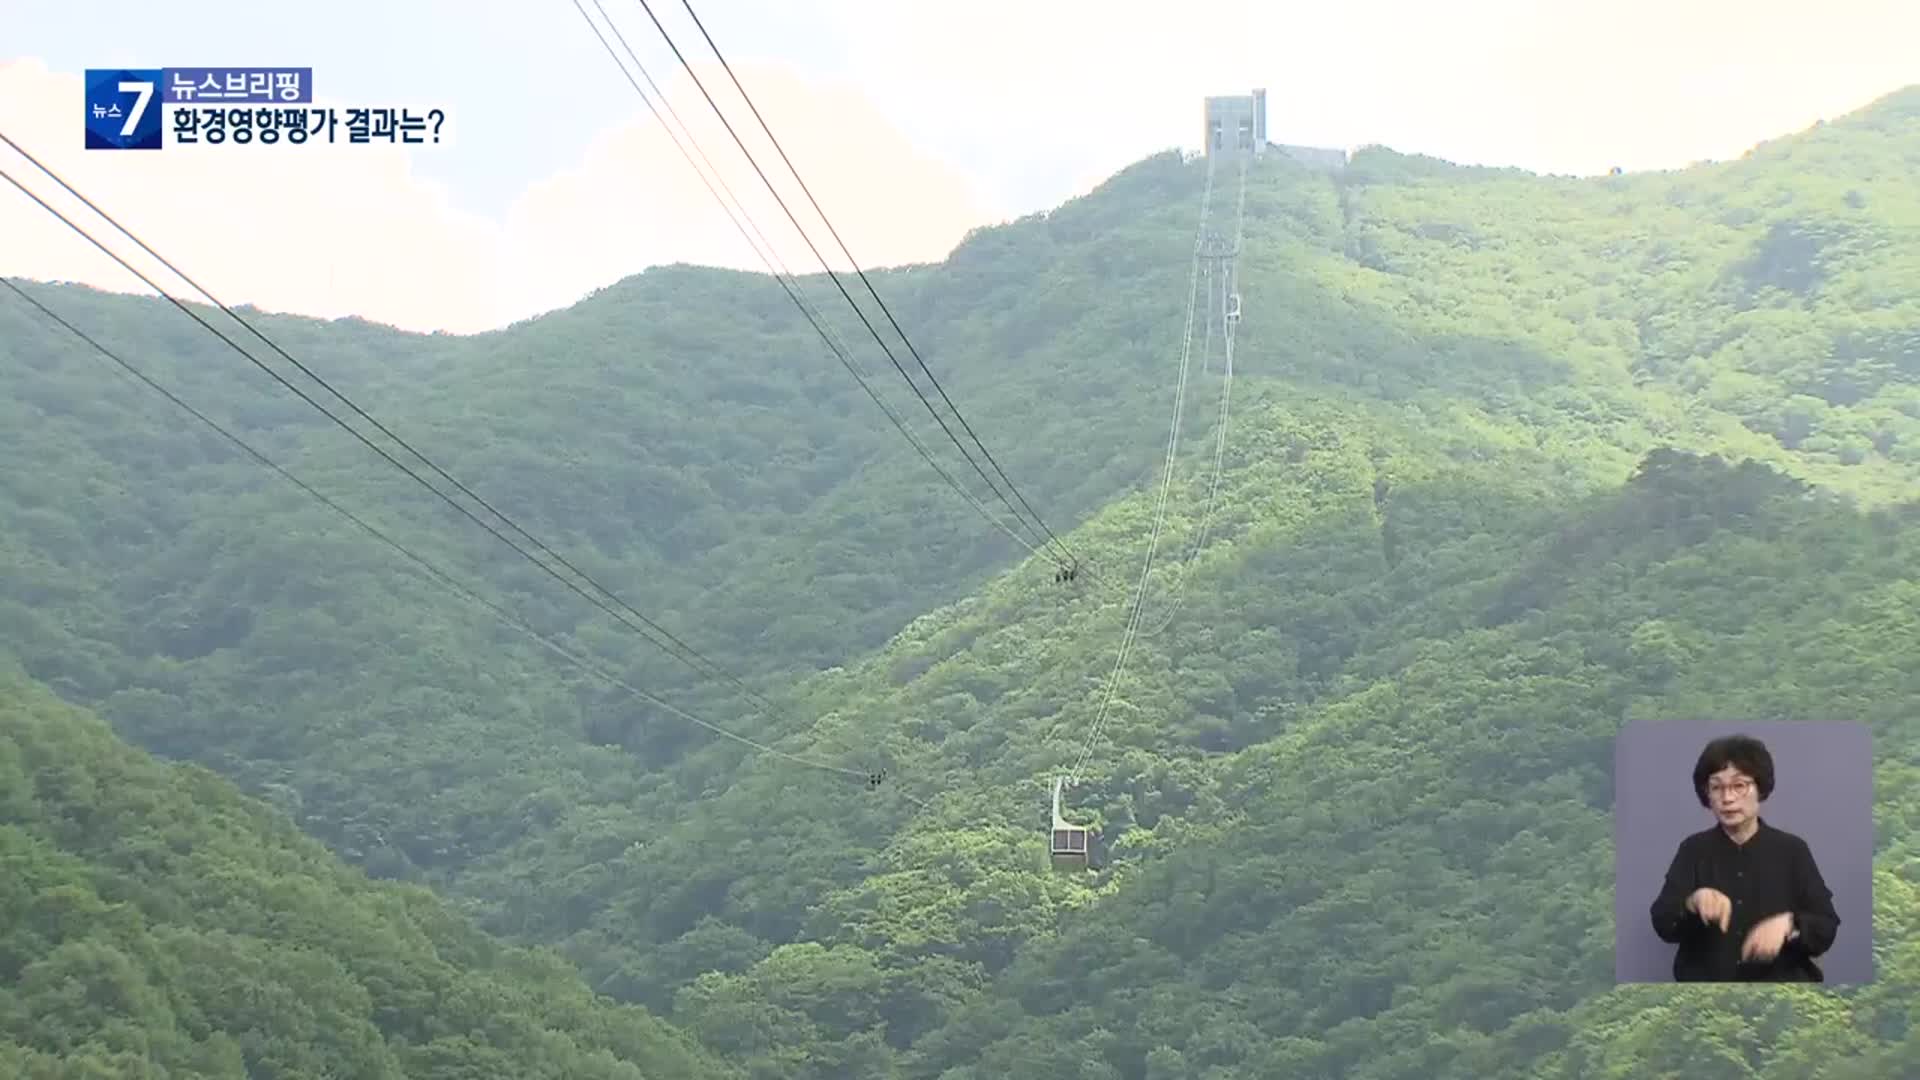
point(154, 922)
point(1513, 460)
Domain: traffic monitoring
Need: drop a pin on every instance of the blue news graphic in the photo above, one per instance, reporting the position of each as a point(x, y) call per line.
point(234, 106)
point(123, 109)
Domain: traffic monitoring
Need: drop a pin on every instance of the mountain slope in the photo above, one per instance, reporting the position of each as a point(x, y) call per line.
point(1404, 873)
point(1426, 848)
point(153, 922)
point(1488, 349)
point(1774, 291)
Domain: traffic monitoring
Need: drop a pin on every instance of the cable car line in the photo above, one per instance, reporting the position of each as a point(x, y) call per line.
point(1229, 317)
point(435, 572)
point(772, 254)
point(686, 654)
point(679, 649)
point(1153, 542)
point(794, 293)
point(861, 314)
point(871, 291)
point(855, 263)
point(835, 278)
point(1213, 492)
point(1070, 844)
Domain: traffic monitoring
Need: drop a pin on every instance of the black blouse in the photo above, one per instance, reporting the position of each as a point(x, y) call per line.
point(1772, 872)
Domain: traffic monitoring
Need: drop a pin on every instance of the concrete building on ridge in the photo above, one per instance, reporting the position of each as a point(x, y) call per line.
point(1237, 125)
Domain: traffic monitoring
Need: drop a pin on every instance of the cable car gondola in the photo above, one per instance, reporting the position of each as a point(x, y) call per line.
point(1071, 844)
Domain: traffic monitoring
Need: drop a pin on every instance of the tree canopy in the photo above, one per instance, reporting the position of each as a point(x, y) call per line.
point(1513, 460)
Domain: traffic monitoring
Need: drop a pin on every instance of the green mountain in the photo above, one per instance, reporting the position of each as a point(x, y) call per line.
point(1512, 460)
point(156, 923)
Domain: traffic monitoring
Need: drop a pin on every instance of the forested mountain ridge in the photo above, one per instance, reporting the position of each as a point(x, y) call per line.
point(1493, 346)
point(155, 923)
point(1774, 291)
point(657, 419)
point(1407, 845)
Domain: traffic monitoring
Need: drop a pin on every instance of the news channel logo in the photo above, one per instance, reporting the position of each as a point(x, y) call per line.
point(239, 106)
point(122, 110)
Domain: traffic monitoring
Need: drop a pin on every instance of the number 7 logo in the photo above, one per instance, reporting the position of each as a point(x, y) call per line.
point(121, 113)
point(143, 92)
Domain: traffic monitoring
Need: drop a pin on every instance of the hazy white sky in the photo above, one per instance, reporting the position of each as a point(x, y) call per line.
point(912, 121)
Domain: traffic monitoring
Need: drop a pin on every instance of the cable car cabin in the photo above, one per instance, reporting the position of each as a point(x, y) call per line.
point(1233, 308)
point(1072, 846)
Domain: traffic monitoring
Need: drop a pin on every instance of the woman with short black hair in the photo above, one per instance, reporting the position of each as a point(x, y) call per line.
point(1743, 900)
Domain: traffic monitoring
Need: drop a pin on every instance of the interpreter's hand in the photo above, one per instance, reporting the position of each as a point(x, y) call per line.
point(1712, 906)
point(1767, 938)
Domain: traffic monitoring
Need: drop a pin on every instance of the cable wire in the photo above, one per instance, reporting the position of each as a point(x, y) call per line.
point(1153, 542)
point(832, 339)
point(835, 278)
point(686, 653)
point(856, 264)
point(1229, 284)
point(433, 571)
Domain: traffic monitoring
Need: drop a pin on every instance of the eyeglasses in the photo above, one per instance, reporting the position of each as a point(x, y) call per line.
point(1739, 789)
